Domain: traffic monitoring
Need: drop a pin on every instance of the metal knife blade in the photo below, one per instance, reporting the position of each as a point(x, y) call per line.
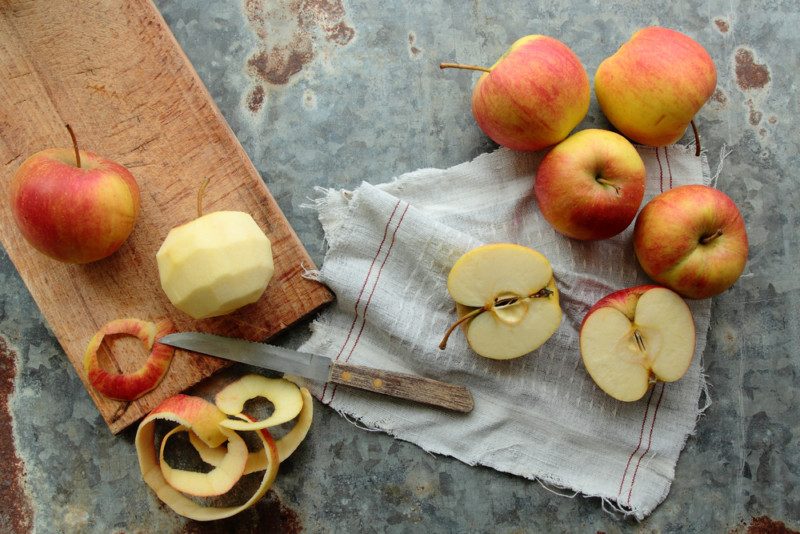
point(324, 369)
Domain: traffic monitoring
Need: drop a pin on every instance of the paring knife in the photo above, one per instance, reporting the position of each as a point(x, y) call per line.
point(324, 369)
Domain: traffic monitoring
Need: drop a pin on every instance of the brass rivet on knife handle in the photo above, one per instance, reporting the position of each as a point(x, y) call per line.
point(404, 386)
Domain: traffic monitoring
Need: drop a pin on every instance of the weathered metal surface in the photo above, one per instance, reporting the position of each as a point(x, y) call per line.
point(332, 93)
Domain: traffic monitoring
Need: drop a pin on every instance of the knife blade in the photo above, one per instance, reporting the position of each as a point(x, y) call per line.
point(324, 369)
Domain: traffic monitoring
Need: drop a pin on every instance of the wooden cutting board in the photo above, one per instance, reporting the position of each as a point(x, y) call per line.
point(117, 76)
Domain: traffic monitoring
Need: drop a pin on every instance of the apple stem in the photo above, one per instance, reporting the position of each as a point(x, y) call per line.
point(200, 197)
point(462, 319)
point(606, 182)
point(705, 240)
point(507, 301)
point(459, 66)
point(696, 139)
point(75, 146)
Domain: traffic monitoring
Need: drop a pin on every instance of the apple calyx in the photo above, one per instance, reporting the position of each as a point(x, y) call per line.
point(460, 66)
point(501, 308)
point(75, 146)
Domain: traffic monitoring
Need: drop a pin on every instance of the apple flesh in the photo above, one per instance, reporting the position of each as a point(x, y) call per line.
point(635, 337)
point(215, 264)
point(590, 186)
point(285, 396)
point(654, 85)
point(533, 96)
point(75, 209)
point(692, 239)
point(507, 300)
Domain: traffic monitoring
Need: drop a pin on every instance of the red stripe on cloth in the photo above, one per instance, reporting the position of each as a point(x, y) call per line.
point(363, 315)
point(661, 171)
point(638, 446)
point(649, 442)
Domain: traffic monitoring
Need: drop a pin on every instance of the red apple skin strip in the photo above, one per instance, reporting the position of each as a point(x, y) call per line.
point(130, 386)
point(204, 415)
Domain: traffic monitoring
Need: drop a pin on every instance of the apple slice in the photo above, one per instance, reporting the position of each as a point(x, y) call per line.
point(635, 337)
point(507, 300)
point(284, 395)
point(130, 386)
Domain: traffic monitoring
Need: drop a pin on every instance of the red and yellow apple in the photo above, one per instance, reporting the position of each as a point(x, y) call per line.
point(693, 240)
point(533, 96)
point(635, 337)
point(590, 185)
point(215, 264)
point(506, 299)
point(74, 206)
point(654, 85)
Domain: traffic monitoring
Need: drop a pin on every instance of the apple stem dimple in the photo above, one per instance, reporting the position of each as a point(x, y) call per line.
point(459, 66)
point(606, 182)
point(705, 240)
point(75, 146)
point(696, 139)
point(200, 197)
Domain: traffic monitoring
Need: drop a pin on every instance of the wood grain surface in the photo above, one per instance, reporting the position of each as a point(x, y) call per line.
point(115, 73)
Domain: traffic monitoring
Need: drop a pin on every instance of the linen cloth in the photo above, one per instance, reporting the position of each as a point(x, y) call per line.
point(390, 247)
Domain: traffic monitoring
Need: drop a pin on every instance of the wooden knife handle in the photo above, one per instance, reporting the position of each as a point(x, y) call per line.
point(403, 386)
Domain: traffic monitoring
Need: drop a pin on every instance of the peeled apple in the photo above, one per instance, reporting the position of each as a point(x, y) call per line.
point(215, 264)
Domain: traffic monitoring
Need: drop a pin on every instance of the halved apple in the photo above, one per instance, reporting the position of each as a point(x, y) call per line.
point(635, 337)
point(130, 386)
point(506, 298)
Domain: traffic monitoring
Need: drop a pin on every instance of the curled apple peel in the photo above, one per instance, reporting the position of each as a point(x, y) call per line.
point(219, 446)
point(219, 480)
point(130, 386)
point(284, 395)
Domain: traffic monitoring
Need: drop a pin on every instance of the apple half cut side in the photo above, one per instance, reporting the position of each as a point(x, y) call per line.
point(635, 337)
point(507, 300)
point(130, 386)
point(203, 418)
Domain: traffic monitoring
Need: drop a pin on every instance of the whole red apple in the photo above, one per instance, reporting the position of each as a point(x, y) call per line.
point(533, 96)
point(75, 209)
point(692, 239)
point(653, 86)
point(590, 185)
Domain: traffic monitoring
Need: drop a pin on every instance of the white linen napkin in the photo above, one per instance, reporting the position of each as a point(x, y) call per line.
point(540, 416)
